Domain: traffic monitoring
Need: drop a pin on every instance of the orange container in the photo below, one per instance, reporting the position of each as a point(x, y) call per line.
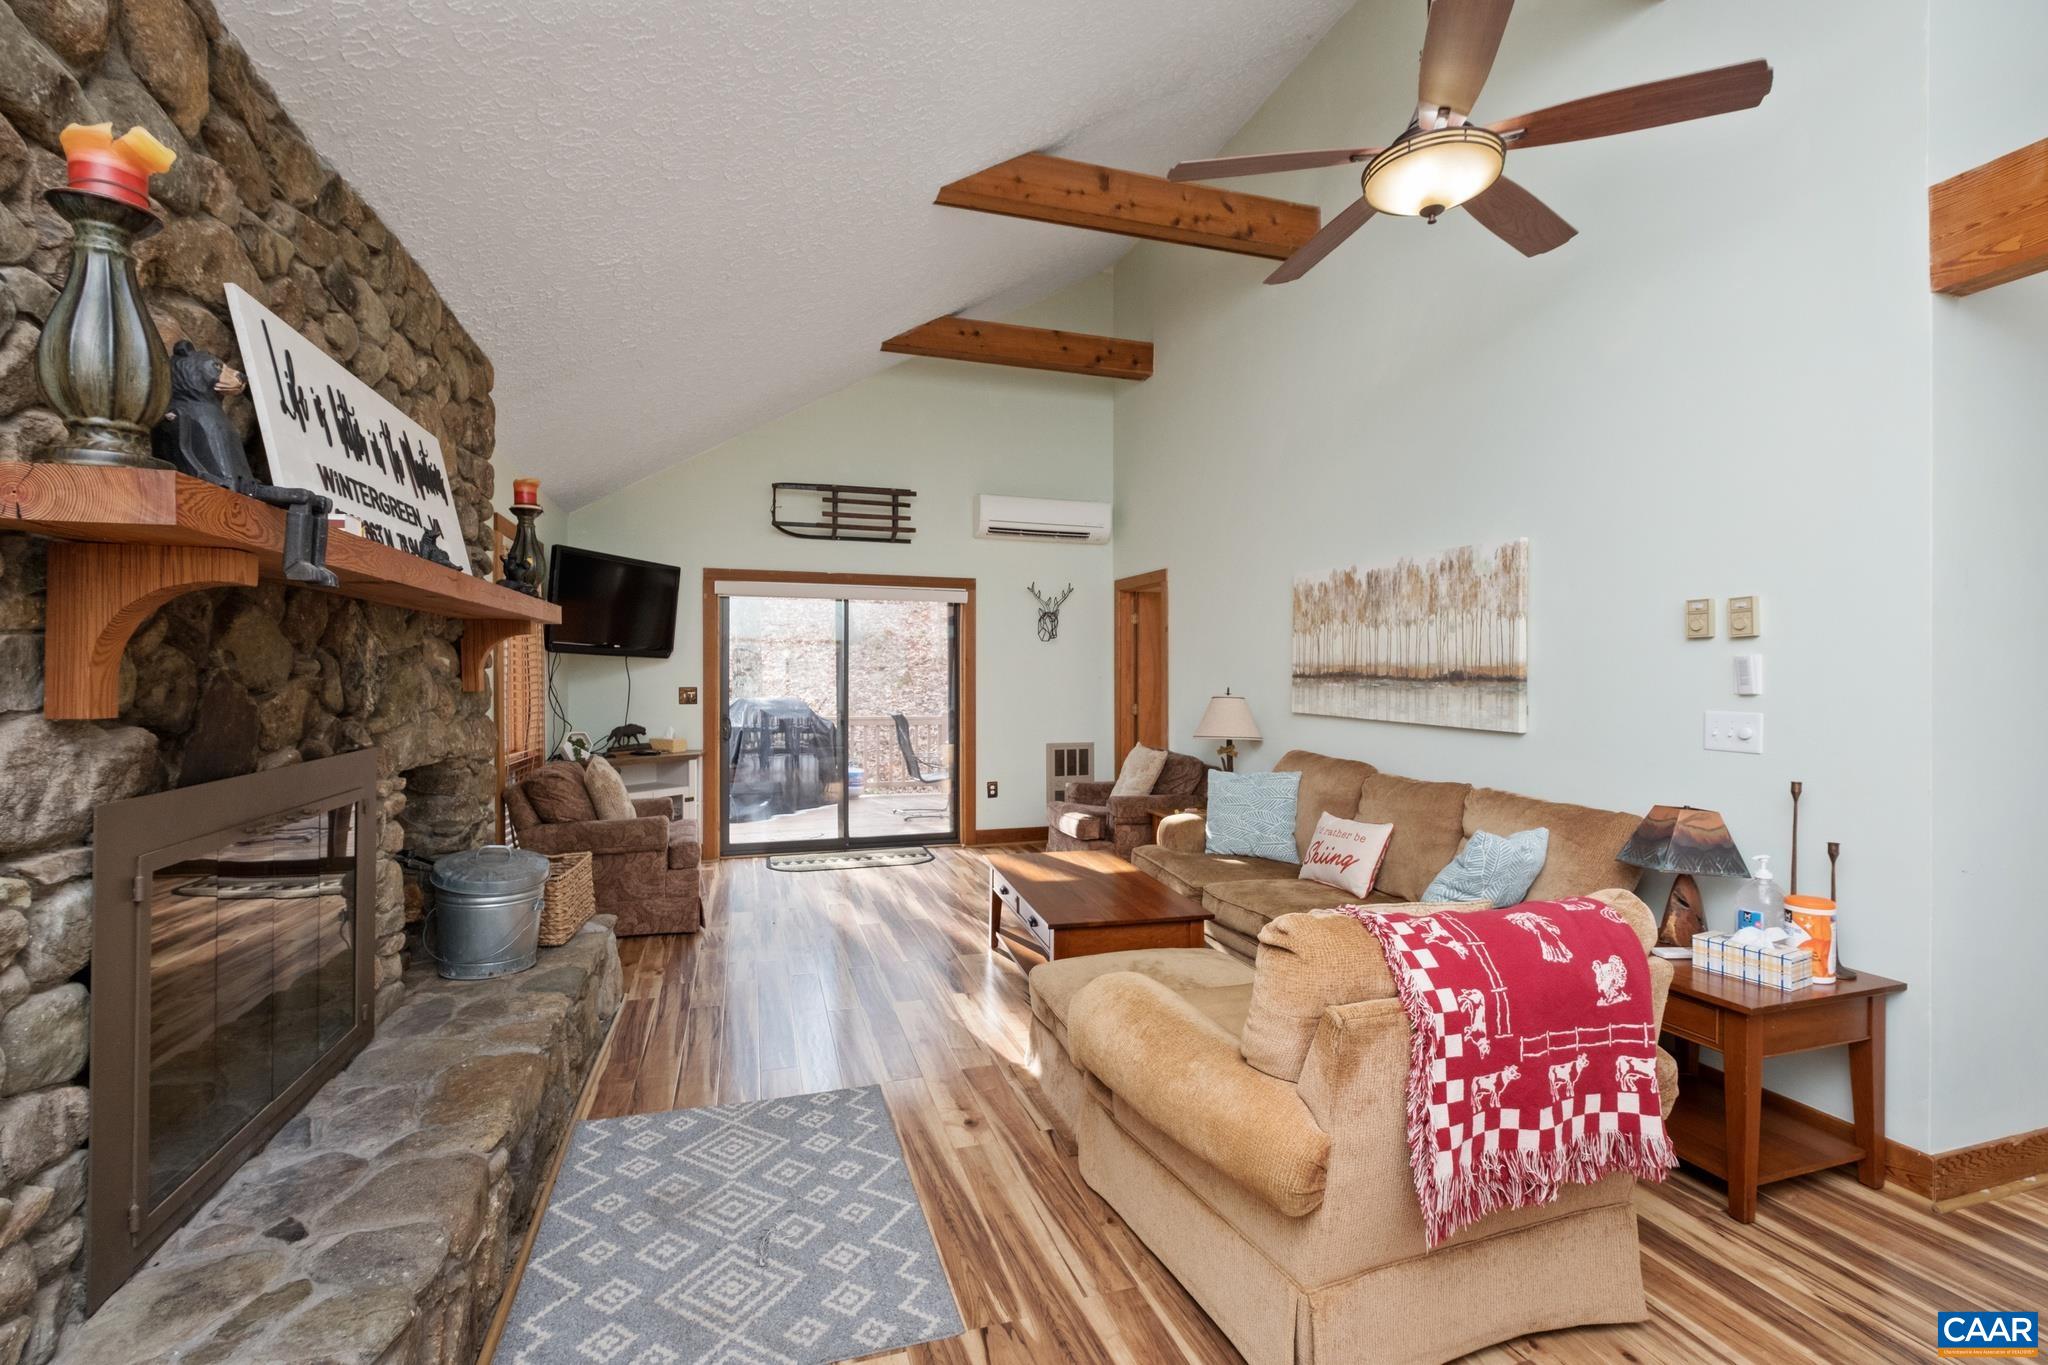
point(1816, 915)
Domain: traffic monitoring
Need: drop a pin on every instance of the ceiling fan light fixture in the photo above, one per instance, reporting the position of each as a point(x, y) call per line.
point(1422, 175)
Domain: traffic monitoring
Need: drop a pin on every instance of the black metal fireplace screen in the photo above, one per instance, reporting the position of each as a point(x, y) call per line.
point(232, 974)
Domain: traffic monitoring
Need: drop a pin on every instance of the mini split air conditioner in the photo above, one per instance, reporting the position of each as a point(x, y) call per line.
point(1000, 518)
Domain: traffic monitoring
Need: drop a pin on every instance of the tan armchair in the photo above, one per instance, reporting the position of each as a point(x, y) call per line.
point(1280, 1194)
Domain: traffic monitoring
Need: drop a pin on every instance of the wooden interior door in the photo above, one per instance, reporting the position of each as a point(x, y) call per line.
point(1140, 663)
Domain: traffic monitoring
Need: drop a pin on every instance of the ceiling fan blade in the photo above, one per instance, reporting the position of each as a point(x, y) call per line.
point(1323, 243)
point(1218, 168)
point(1700, 95)
point(1458, 52)
point(1518, 218)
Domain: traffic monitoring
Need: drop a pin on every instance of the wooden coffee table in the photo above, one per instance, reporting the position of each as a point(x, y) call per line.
point(1074, 904)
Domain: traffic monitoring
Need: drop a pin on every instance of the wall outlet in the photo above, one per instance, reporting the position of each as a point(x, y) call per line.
point(991, 790)
point(1745, 621)
point(1699, 618)
point(686, 696)
point(1734, 732)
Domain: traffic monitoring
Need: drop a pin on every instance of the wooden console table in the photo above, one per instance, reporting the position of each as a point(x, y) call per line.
point(1725, 1127)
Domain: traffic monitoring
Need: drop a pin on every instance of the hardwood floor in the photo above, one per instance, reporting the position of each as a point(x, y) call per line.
point(811, 981)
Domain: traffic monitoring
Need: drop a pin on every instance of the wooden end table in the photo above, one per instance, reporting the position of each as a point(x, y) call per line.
point(1725, 1128)
point(1075, 904)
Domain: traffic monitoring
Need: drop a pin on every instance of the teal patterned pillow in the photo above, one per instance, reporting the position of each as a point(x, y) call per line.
point(1251, 815)
point(1492, 869)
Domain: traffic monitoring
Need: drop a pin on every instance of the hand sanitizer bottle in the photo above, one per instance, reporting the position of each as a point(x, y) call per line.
point(1759, 904)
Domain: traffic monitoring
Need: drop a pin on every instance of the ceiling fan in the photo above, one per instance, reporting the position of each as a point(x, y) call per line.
point(1443, 161)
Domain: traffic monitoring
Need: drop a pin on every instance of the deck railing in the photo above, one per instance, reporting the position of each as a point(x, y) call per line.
point(873, 749)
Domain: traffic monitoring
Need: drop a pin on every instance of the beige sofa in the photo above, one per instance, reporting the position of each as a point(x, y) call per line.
point(1249, 1124)
point(1431, 821)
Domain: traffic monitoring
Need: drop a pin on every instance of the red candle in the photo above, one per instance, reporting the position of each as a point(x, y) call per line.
point(526, 492)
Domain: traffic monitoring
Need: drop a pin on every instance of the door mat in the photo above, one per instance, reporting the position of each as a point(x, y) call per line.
point(846, 862)
point(775, 1230)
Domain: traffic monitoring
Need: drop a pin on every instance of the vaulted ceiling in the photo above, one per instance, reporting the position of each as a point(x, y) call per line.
point(668, 223)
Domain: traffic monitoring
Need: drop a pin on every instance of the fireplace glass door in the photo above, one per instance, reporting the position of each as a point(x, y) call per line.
point(252, 979)
point(233, 967)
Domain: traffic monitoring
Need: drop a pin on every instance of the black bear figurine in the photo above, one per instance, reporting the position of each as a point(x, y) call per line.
point(430, 548)
point(196, 437)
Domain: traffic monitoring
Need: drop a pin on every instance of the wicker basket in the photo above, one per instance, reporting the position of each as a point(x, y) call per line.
point(571, 899)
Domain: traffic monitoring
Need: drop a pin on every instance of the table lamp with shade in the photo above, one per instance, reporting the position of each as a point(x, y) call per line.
point(1228, 718)
point(1691, 843)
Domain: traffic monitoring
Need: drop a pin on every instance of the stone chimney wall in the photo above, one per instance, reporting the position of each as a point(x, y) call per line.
point(219, 683)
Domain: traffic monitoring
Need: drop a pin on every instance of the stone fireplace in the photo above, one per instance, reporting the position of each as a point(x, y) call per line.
point(220, 683)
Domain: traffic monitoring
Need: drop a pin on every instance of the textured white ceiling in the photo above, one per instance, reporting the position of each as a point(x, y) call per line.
point(669, 222)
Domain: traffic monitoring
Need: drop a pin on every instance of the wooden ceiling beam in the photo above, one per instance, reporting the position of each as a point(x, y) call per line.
point(1030, 348)
point(1989, 225)
point(1049, 189)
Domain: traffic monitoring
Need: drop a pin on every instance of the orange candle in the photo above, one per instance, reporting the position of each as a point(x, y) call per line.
point(526, 492)
point(96, 162)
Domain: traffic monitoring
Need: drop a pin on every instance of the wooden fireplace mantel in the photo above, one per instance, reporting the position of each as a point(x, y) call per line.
point(140, 537)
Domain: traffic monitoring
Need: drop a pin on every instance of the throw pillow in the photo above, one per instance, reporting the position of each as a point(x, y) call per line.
point(1140, 772)
point(607, 791)
point(1346, 854)
point(1492, 869)
point(558, 795)
point(1251, 815)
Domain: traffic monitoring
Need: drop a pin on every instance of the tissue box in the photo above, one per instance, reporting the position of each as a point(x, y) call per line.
point(1788, 969)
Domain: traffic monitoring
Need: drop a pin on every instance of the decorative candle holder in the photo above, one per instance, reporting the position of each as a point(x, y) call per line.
point(526, 560)
point(99, 357)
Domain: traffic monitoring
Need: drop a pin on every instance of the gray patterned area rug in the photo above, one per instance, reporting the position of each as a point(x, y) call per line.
point(778, 1232)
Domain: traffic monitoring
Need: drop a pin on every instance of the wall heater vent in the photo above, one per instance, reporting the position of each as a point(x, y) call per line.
point(1065, 764)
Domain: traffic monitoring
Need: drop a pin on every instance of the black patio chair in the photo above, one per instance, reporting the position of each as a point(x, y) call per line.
point(915, 766)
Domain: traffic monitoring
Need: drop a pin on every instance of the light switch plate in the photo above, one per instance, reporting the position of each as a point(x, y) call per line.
point(1734, 732)
point(686, 696)
point(1745, 619)
point(1749, 675)
point(1699, 618)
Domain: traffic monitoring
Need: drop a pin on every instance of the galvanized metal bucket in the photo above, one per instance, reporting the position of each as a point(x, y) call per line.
point(486, 916)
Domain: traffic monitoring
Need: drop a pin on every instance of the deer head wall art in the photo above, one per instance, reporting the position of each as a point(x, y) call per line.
point(1049, 612)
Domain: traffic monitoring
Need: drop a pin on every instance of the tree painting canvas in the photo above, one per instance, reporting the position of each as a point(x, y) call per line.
point(1442, 640)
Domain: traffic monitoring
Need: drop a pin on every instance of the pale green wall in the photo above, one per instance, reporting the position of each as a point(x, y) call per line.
point(951, 431)
point(1720, 387)
point(1987, 97)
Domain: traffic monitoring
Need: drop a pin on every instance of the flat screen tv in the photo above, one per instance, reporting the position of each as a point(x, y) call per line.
point(611, 604)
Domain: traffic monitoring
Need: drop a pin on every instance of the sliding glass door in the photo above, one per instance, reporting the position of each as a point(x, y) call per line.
point(841, 720)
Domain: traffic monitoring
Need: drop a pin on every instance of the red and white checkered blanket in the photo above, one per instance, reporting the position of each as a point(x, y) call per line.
point(1535, 1056)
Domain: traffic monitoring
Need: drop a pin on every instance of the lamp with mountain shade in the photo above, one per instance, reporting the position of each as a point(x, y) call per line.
point(1692, 843)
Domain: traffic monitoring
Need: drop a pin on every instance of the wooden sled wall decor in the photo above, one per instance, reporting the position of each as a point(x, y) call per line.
point(842, 512)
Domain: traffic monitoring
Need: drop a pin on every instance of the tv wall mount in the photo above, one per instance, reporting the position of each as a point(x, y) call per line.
point(841, 511)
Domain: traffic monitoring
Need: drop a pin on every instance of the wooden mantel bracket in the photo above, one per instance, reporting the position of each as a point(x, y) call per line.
point(99, 595)
point(479, 638)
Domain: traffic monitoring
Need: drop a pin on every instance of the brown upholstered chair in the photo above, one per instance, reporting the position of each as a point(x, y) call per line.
point(1090, 818)
point(645, 869)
